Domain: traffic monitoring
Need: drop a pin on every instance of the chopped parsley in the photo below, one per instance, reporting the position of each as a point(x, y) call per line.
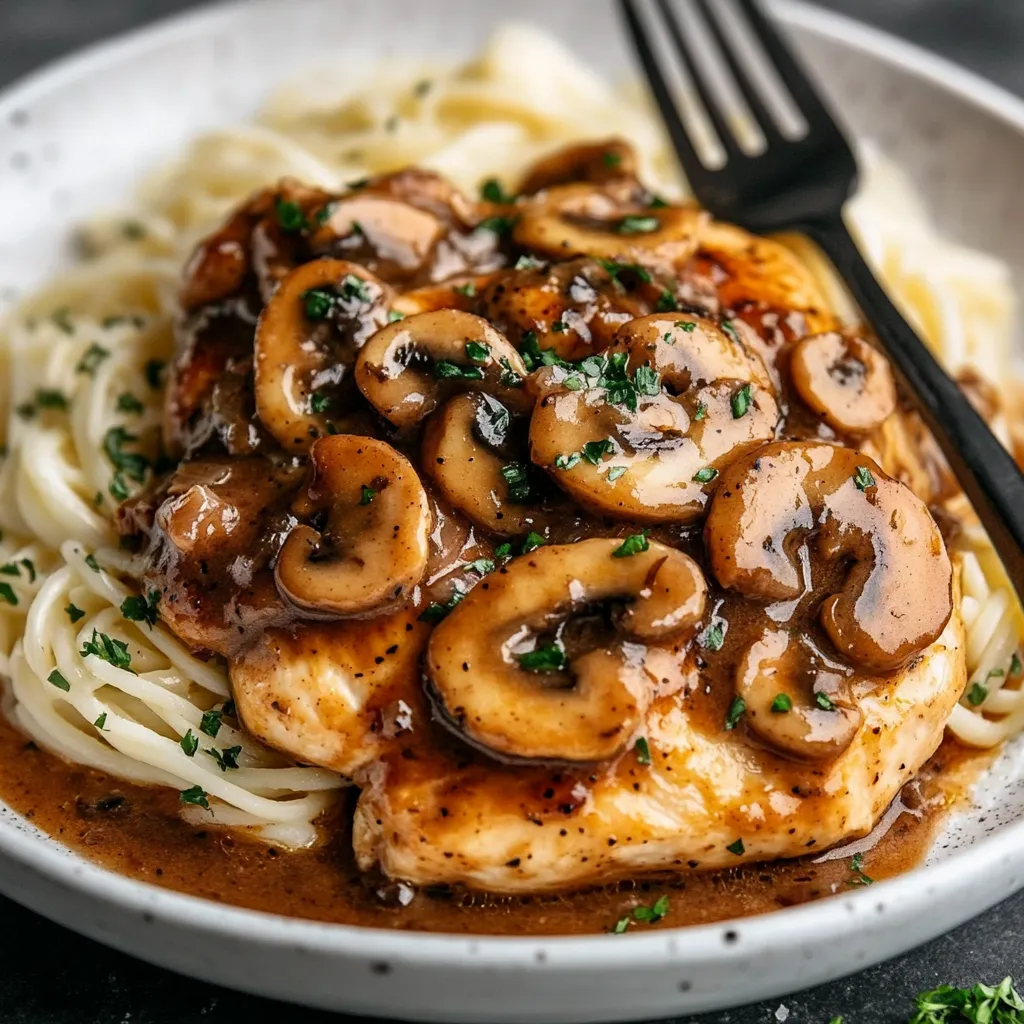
point(468, 289)
point(610, 159)
point(50, 398)
point(595, 451)
point(226, 758)
point(730, 328)
point(528, 263)
point(863, 478)
point(90, 361)
point(614, 473)
point(550, 658)
point(666, 303)
point(824, 702)
point(686, 325)
point(210, 723)
point(634, 544)
point(289, 215)
point(395, 315)
point(319, 401)
point(616, 270)
point(58, 680)
point(154, 371)
point(633, 225)
point(195, 795)
point(567, 461)
point(445, 370)
point(189, 743)
point(90, 560)
point(318, 303)
point(503, 551)
point(737, 848)
point(532, 542)
point(856, 866)
point(436, 612)
point(559, 327)
point(127, 402)
point(736, 710)
point(500, 226)
point(477, 352)
point(492, 192)
point(782, 703)
point(74, 613)
point(647, 381)
point(646, 915)
point(10, 569)
point(1015, 665)
point(534, 356)
point(366, 495)
point(977, 694)
point(142, 609)
point(101, 722)
point(701, 412)
point(713, 637)
point(509, 378)
point(62, 318)
point(705, 475)
point(115, 652)
point(515, 476)
point(741, 402)
point(7, 594)
point(354, 287)
point(480, 566)
point(643, 751)
point(131, 464)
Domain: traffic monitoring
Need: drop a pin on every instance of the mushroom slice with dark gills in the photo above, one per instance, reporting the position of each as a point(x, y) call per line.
point(844, 380)
point(410, 367)
point(643, 430)
point(519, 699)
point(595, 162)
point(306, 344)
point(473, 449)
point(612, 222)
point(370, 546)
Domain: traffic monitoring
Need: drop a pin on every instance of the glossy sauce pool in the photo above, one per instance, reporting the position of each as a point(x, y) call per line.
point(136, 831)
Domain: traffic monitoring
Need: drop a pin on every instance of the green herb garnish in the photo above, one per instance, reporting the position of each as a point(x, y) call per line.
point(59, 681)
point(210, 723)
point(550, 658)
point(736, 710)
point(189, 743)
point(195, 795)
point(142, 609)
point(705, 475)
point(737, 848)
point(741, 402)
point(643, 751)
point(863, 478)
point(782, 703)
point(115, 652)
point(634, 544)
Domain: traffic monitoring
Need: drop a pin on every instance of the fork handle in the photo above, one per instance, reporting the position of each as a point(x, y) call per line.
point(985, 469)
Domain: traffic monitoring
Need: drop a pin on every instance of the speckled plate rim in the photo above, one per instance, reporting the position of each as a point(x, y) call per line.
point(901, 901)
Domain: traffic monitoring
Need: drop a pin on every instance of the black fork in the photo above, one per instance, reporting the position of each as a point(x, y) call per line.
point(800, 180)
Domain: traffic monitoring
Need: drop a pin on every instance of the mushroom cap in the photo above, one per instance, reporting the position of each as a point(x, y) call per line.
point(837, 502)
point(590, 712)
point(407, 369)
point(373, 548)
point(298, 357)
point(597, 162)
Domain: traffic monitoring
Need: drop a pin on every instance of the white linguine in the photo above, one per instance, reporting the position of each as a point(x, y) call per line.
point(82, 361)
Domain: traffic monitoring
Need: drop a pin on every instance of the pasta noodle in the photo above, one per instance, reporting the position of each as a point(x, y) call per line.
point(83, 361)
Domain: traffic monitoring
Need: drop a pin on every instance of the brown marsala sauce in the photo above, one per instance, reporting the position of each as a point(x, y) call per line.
point(136, 831)
point(431, 249)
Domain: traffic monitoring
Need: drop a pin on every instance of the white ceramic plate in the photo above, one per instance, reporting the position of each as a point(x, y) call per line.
point(73, 138)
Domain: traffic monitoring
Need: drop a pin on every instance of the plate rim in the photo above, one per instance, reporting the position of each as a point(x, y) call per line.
point(904, 896)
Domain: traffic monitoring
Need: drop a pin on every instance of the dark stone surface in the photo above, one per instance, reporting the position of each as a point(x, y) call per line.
point(50, 976)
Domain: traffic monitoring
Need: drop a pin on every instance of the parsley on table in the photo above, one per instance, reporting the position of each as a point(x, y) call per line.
point(550, 658)
point(736, 710)
point(979, 1004)
point(863, 478)
point(195, 795)
point(634, 544)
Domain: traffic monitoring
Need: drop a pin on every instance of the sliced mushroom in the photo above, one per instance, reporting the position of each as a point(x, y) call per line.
point(846, 381)
point(467, 453)
point(306, 344)
point(407, 369)
point(581, 161)
point(644, 432)
point(607, 223)
point(388, 237)
point(895, 598)
point(588, 710)
point(372, 548)
point(792, 702)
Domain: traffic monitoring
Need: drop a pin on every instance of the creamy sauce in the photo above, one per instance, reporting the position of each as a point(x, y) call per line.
point(136, 831)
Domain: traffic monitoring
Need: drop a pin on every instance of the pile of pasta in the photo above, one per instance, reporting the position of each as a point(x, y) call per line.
point(95, 676)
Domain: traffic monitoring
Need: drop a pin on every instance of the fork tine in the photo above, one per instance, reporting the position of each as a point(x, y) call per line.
point(692, 164)
point(700, 82)
point(804, 94)
point(751, 96)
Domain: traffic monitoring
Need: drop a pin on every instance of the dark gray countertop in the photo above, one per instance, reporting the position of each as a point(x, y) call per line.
point(50, 976)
